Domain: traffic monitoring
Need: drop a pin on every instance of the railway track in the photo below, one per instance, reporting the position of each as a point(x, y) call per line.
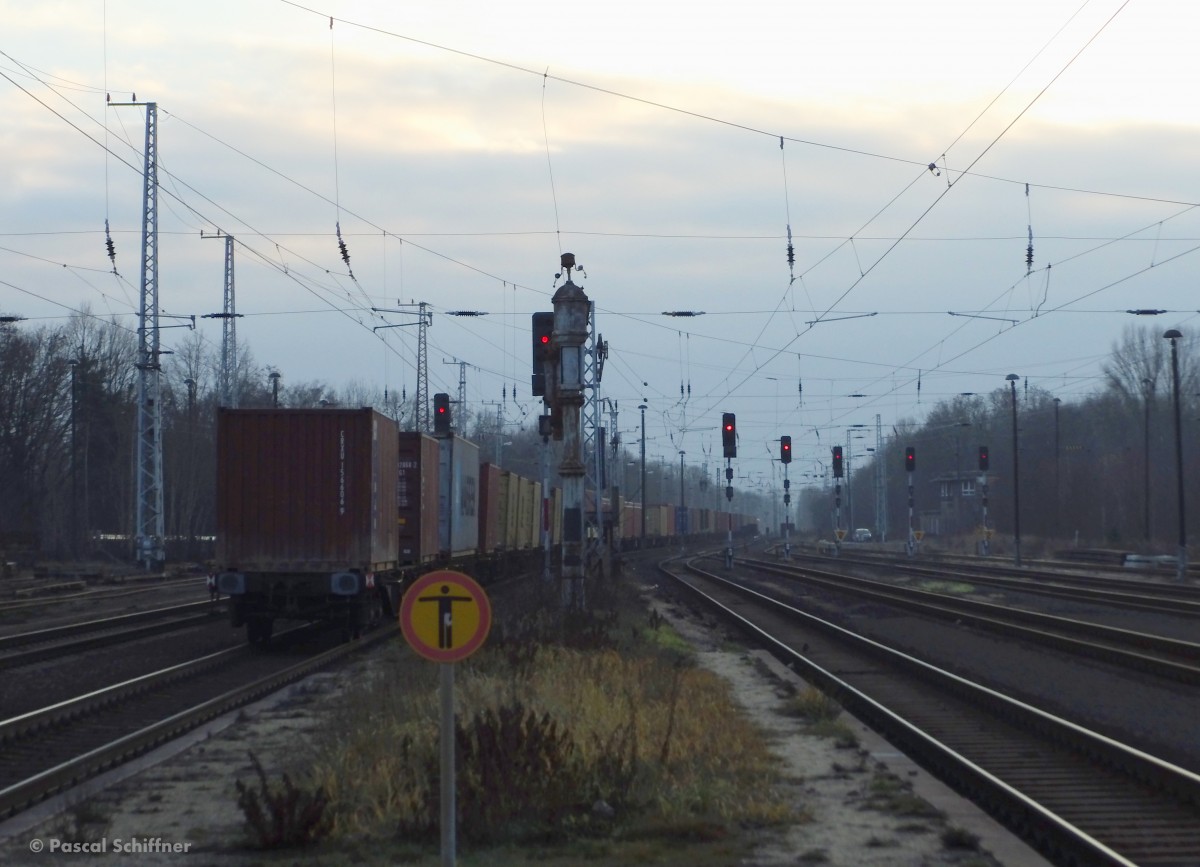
point(39, 645)
point(1148, 594)
point(51, 749)
point(79, 591)
point(1153, 654)
point(1078, 796)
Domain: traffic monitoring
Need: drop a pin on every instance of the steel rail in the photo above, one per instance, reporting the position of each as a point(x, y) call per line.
point(1027, 813)
point(1155, 654)
point(1159, 596)
point(28, 647)
point(29, 791)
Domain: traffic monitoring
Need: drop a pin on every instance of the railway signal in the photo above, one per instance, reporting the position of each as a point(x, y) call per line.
point(729, 434)
point(543, 328)
point(910, 464)
point(837, 462)
point(441, 414)
point(983, 459)
point(785, 449)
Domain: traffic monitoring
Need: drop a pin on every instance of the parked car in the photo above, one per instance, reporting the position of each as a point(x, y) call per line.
point(862, 534)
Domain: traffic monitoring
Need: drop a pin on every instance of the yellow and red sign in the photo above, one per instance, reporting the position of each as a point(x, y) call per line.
point(445, 616)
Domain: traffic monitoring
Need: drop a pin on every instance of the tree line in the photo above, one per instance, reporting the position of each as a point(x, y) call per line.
point(68, 403)
point(1097, 472)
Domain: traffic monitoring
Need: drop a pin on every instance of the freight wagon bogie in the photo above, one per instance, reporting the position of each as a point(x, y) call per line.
point(350, 600)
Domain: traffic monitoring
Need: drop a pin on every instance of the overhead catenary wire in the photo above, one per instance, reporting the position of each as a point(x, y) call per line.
point(340, 202)
point(550, 164)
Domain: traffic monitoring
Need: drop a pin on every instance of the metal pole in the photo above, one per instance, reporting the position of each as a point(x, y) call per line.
point(1012, 382)
point(729, 499)
point(447, 764)
point(849, 489)
point(544, 425)
point(1181, 574)
point(1058, 480)
point(910, 546)
point(682, 517)
point(642, 543)
point(73, 547)
point(986, 545)
point(957, 481)
point(787, 515)
point(837, 514)
point(1147, 392)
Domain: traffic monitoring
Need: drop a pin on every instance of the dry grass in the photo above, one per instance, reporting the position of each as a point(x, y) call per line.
point(632, 725)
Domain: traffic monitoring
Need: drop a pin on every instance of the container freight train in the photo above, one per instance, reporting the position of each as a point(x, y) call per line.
point(322, 515)
point(325, 514)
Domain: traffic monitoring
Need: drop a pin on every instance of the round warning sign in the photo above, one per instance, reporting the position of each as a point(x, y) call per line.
point(445, 616)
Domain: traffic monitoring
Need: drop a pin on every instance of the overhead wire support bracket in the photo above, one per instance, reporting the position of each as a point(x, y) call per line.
point(842, 318)
point(980, 316)
point(190, 317)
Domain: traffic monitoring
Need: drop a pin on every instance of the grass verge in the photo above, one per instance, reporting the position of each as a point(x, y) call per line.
point(592, 739)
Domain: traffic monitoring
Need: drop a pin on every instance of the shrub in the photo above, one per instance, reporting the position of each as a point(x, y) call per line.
point(285, 816)
point(517, 774)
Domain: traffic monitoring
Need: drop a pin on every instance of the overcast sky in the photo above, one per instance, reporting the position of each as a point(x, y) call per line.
point(462, 146)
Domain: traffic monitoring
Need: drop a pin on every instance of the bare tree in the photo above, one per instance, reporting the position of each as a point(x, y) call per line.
point(34, 420)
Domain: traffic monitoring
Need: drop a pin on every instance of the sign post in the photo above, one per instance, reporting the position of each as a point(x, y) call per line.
point(445, 617)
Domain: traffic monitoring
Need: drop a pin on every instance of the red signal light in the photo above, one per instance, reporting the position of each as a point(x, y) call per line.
point(441, 414)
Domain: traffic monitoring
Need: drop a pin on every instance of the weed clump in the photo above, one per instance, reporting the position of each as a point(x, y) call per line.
point(284, 816)
point(518, 774)
point(960, 838)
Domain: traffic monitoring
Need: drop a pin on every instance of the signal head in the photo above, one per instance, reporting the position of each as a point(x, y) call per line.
point(441, 414)
point(729, 434)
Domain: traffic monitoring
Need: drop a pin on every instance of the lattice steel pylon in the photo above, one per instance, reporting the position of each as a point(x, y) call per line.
point(595, 351)
point(421, 413)
point(227, 390)
point(148, 470)
point(423, 418)
point(458, 421)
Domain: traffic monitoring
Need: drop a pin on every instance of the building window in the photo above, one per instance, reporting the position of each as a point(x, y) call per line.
point(946, 491)
point(968, 488)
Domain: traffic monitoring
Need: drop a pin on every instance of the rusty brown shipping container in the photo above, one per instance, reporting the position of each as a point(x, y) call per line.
point(489, 508)
point(302, 490)
point(417, 498)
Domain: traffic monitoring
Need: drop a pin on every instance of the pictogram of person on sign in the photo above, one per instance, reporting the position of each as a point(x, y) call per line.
point(445, 603)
